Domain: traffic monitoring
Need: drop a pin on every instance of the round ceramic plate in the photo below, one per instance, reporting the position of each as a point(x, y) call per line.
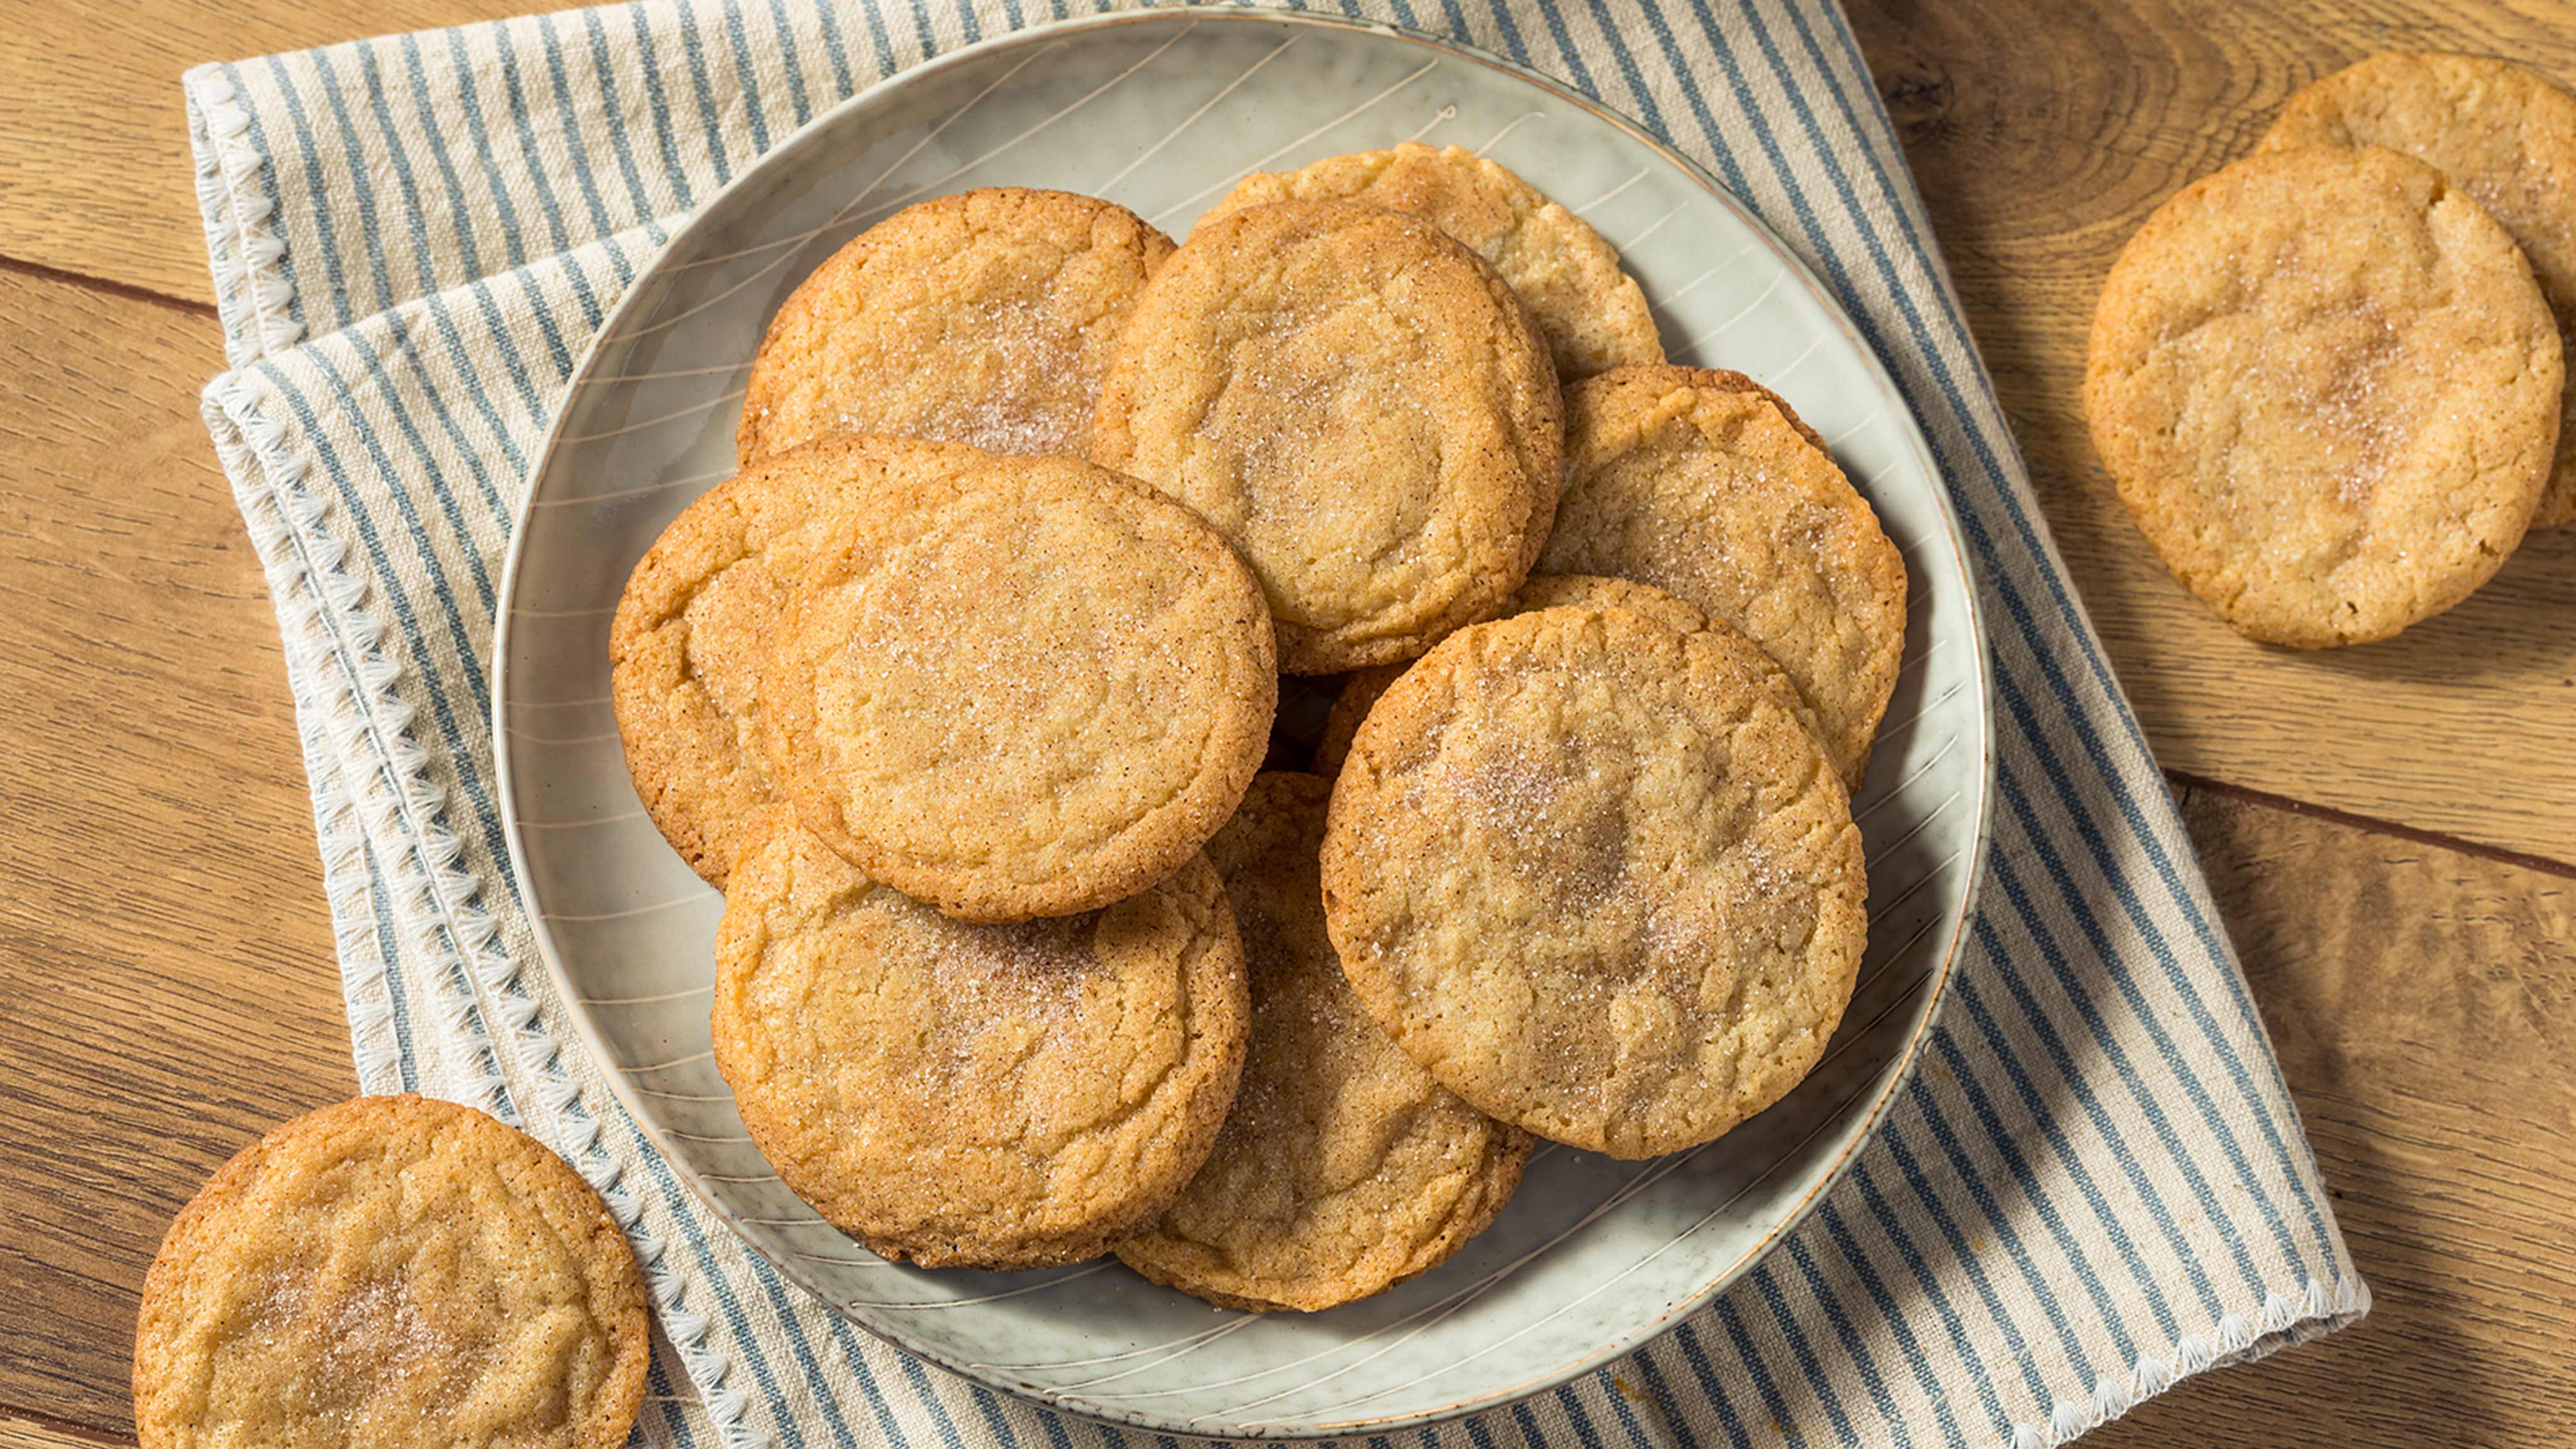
point(1162, 112)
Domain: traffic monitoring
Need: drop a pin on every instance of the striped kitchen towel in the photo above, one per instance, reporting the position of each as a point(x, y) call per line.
point(2097, 1184)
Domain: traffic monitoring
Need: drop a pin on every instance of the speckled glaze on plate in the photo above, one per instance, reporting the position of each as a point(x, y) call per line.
point(1162, 111)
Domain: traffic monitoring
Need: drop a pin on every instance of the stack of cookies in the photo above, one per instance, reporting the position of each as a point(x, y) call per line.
point(963, 689)
point(2329, 379)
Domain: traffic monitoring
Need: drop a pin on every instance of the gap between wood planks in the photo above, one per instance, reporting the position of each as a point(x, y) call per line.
point(20, 1429)
point(103, 285)
point(2543, 864)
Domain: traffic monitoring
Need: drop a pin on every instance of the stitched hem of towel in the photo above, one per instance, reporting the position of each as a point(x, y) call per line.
point(254, 294)
point(344, 679)
point(377, 1028)
point(2280, 1323)
point(379, 1025)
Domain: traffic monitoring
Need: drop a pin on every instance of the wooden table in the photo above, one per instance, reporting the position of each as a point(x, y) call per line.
point(2391, 831)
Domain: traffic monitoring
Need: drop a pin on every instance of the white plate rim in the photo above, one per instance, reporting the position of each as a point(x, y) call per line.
point(1895, 1079)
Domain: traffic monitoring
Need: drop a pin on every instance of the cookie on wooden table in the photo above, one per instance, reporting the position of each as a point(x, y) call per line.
point(986, 318)
point(692, 632)
point(1705, 484)
point(1597, 879)
point(2328, 389)
point(1028, 687)
point(1360, 405)
point(391, 1272)
point(1343, 1169)
point(1548, 591)
point(1592, 314)
point(2504, 134)
point(1006, 1096)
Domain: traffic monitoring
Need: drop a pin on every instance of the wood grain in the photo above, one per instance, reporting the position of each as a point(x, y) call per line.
point(94, 164)
point(2041, 136)
point(28, 1434)
point(2424, 1004)
point(167, 983)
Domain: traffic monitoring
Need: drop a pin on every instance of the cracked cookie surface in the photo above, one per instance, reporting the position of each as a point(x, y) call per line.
point(1591, 874)
point(1024, 688)
point(2327, 388)
point(986, 317)
point(1007, 1096)
point(395, 1272)
point(1360, 405)
point(693, 628)
point(1592, 314)
point(1343, 1168)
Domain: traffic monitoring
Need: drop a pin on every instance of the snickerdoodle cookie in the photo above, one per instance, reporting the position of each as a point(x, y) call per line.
point(996, 1096)
point(392, 1272)
point(1024, 688)
point(1591, 313)
point(2328, 388)
point(2503, 134)
point(986, 317)
point(1360, 405)
point(1343, 1168)
point(1549, 591)
point(692, 631)
point(1706, 485)
point(1591, 874)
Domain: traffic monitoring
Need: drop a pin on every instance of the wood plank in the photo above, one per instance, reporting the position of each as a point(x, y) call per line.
point(2042, 135)
point(28, 1434)
point(95, 176)
point(167, 983)
point(2422, 1001)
